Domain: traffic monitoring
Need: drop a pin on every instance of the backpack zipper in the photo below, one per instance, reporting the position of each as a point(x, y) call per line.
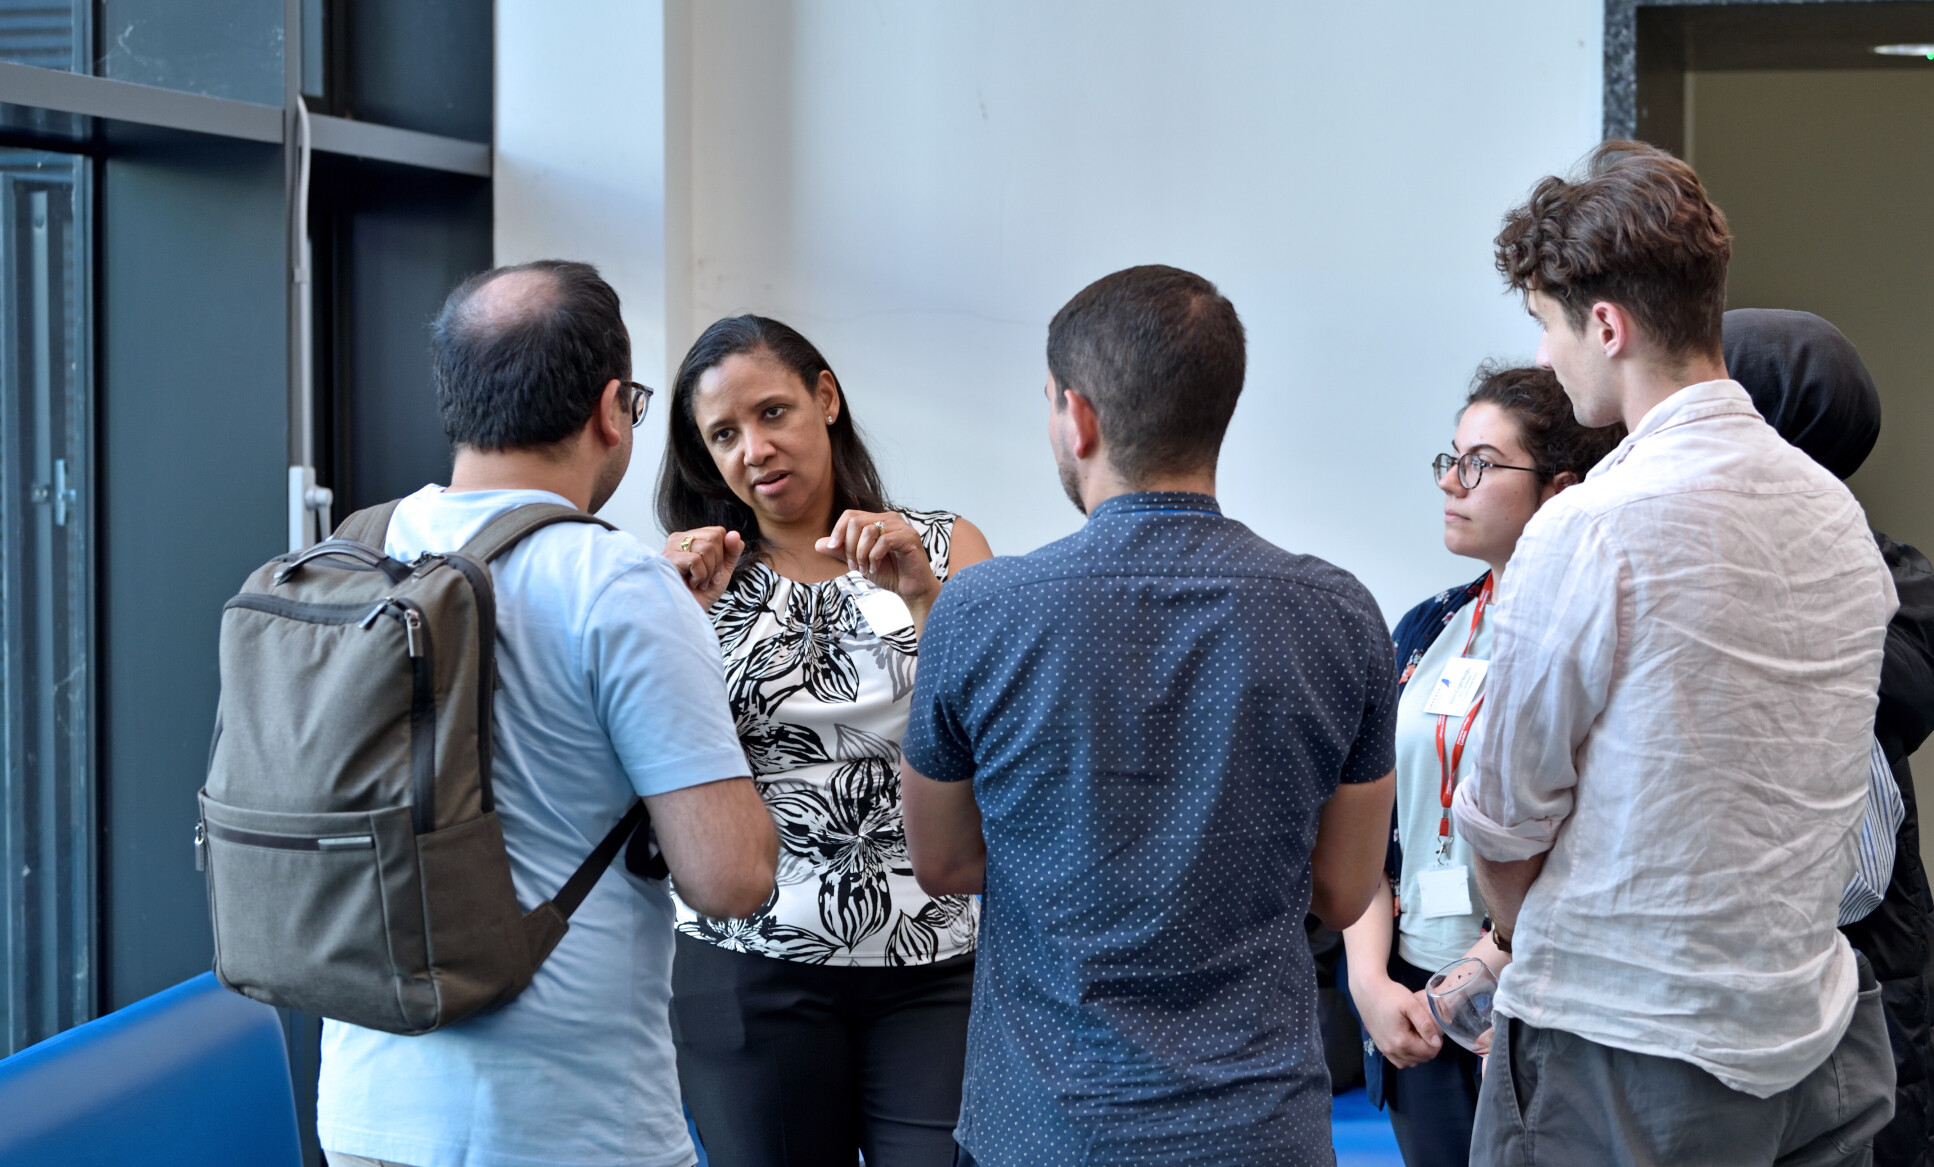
point(298, 610)
point(412, 622)
point(422, 719)
point(279, 842)
point(484, 593)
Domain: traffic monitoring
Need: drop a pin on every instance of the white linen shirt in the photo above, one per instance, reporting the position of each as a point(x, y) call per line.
point(1683, 687)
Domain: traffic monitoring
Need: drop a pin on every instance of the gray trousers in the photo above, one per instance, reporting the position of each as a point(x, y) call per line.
point(1551, 1097)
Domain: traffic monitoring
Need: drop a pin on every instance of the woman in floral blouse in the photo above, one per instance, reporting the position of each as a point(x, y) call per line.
point(835, 1018)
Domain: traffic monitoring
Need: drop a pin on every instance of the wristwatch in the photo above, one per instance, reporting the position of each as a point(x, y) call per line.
point(1500, 938)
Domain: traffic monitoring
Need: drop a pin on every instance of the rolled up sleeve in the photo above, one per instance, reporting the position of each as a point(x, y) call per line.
point(1556, 640)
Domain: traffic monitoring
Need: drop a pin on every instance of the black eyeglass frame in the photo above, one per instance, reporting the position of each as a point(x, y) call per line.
point(1476, 464)
point(640, 401)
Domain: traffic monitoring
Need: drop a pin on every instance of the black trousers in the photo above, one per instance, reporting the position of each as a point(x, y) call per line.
point(1432, 1106)
point(786, 1064)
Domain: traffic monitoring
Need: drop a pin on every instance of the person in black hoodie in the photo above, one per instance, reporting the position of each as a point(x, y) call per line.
point(1809, 382)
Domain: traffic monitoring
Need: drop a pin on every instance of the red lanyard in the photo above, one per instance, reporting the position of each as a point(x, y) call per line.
point(1448, 765)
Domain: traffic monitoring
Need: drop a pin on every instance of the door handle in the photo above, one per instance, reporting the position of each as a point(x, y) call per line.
point(59, 493)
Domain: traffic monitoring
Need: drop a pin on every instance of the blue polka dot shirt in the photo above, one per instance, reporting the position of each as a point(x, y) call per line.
point(1153, 712)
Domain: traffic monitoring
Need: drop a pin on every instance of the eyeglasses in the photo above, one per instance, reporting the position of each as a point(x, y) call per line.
point(1470, 468)
point(640, 400)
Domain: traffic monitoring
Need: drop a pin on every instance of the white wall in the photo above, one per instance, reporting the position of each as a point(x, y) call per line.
point(918, 187)
point(580, 173)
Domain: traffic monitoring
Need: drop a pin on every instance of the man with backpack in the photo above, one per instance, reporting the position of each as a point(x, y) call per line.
point(609, 688)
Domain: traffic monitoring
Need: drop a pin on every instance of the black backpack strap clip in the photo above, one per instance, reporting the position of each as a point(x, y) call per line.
point(642, 856)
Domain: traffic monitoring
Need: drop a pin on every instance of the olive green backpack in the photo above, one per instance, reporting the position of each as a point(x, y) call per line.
point(356, 867)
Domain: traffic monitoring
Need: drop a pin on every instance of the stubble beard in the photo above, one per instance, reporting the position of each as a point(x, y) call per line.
point(609, 476)
point(1070, 481)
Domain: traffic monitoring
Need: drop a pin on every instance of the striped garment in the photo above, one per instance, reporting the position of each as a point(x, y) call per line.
point(1874, 857)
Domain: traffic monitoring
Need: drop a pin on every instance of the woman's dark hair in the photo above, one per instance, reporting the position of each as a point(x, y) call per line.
point(1550, 430)
point(692, 492)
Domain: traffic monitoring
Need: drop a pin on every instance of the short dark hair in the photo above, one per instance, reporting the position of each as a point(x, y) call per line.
point(528, 375)
point(692, 492)
point(1636, 229)
point(1546, 420)
point(1159, 353)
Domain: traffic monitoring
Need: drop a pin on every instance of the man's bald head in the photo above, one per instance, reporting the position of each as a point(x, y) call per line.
point(521, 354)
point(508, 298)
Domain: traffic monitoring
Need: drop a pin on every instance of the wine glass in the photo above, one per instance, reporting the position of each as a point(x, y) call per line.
point(1459, 995)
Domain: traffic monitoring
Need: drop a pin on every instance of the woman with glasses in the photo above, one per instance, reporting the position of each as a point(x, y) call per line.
point(1516, 446)
point(835, 1019)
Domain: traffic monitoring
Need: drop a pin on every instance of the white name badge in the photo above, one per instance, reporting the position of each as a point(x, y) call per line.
point(885, 611)
point(1454, 692)
point(1445, 891)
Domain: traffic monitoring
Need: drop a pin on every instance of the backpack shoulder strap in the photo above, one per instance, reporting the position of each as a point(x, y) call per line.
point(369, 526)
point(636, 820)
point(503, 532)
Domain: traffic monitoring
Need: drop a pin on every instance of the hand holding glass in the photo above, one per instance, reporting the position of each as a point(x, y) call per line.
point(1459, 995)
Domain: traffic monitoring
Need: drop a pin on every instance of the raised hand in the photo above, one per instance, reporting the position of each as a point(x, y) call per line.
point(884, 548)
point(706, 557)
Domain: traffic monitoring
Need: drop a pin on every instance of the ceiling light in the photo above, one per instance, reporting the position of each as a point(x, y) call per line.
point(1906, 51)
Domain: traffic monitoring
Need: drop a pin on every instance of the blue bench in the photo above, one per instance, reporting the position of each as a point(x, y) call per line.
point(193, 1075)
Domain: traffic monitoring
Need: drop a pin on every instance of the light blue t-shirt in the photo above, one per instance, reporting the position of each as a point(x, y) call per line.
point(611, 687)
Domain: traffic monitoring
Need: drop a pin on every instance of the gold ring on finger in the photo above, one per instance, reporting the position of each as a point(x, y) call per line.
point(880, 526)
point(686, 543)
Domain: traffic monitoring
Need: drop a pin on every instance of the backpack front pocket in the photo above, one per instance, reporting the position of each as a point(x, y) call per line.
point(321, 912)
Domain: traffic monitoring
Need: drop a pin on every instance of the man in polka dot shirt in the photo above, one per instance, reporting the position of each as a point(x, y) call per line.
point(1153, 746)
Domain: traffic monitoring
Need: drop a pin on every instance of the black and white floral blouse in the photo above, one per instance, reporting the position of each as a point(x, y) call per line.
point(821, 698)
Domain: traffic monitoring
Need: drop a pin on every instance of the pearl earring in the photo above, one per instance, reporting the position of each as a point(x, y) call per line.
point(829, 419)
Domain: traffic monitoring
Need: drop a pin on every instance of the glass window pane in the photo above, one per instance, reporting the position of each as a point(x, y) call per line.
point(47, 33)
point(46, 600)
point(221, 48)
point(421, 66)
point(314, 43)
